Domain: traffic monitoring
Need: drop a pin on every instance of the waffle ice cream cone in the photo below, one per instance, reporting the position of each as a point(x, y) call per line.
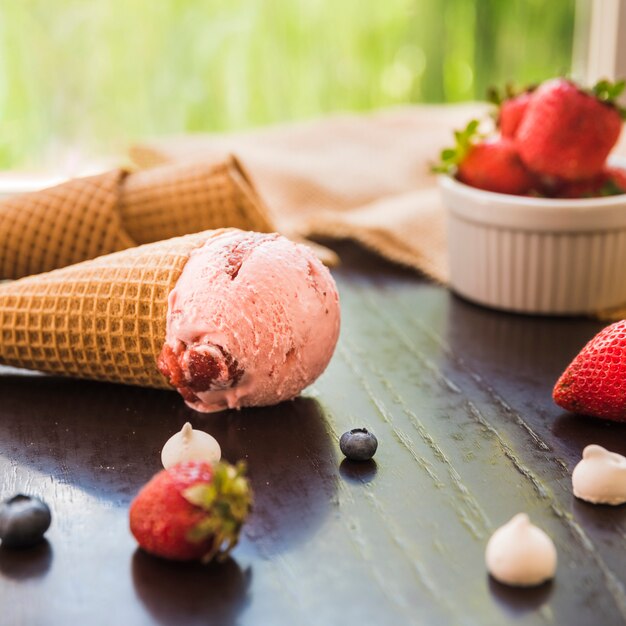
point(103, 319)
point(232, 318)
point(88, 217)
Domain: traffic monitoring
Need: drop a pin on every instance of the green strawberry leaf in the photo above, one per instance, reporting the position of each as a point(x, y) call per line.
point(608, 92)
point(497, 96)
point(201, 495)
point(448, 153)
point(494, 96)
point(611, 188)
point(451, 157)
point(227, 501)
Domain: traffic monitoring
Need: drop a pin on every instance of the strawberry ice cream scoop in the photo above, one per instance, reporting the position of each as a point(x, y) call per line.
point(252, 321)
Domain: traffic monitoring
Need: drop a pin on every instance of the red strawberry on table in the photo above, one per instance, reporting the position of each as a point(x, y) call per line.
point(191, 511)
point(594, 383)
point(567, 132)
point(492, 165)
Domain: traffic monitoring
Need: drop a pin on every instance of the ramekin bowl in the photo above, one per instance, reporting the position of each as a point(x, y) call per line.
point(536, 255)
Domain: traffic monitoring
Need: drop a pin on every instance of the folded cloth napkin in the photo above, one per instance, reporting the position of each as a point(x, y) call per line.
point(365, 177)
point(87, 217)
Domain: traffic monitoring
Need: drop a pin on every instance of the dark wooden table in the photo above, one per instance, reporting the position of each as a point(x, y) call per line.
point(459, 398)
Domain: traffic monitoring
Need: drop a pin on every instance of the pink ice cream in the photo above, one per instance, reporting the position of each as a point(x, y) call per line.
point(253, 320)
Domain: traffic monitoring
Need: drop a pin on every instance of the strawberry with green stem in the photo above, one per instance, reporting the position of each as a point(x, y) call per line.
point(567, 132)
point(192, 511)
point(492, 165)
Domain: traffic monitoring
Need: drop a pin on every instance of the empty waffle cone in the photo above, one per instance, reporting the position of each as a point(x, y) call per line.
point(88, 217)
point(179, 199)
point(103, 319)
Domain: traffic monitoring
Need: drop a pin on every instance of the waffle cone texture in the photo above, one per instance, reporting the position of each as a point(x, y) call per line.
point(88, 217)
point(103, 319)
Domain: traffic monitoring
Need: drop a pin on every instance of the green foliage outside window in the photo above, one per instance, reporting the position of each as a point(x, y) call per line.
point(93, 76)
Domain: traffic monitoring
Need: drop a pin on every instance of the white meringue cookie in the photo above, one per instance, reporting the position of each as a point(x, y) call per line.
point(521, 554)
point(600, 477)
point(190, 445)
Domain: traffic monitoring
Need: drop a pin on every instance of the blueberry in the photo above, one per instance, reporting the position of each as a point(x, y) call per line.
point(23, 521)
point(358, 444)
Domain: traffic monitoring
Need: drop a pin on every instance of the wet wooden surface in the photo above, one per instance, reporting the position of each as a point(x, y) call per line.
point(459, 398)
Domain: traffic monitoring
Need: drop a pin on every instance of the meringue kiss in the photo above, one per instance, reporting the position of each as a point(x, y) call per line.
point(520, 554)
point(600, 477)
point(190, 445)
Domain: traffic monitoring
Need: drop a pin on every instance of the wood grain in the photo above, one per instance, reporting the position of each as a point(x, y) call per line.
point(459, 398)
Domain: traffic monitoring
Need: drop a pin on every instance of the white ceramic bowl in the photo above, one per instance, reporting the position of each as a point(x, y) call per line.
point(536, 255)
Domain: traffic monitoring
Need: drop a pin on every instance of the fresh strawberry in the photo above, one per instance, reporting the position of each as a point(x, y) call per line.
point(191, 511)
point(495, 166)
point(567, 132)
point(491, 165)
point(512, 107)
point(594, 383)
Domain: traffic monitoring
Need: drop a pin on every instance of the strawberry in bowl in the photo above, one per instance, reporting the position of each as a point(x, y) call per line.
point(492, 164)
point(537, 212)
point(567, 132)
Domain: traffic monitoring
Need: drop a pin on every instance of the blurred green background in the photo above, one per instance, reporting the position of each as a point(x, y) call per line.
point(86, 78)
